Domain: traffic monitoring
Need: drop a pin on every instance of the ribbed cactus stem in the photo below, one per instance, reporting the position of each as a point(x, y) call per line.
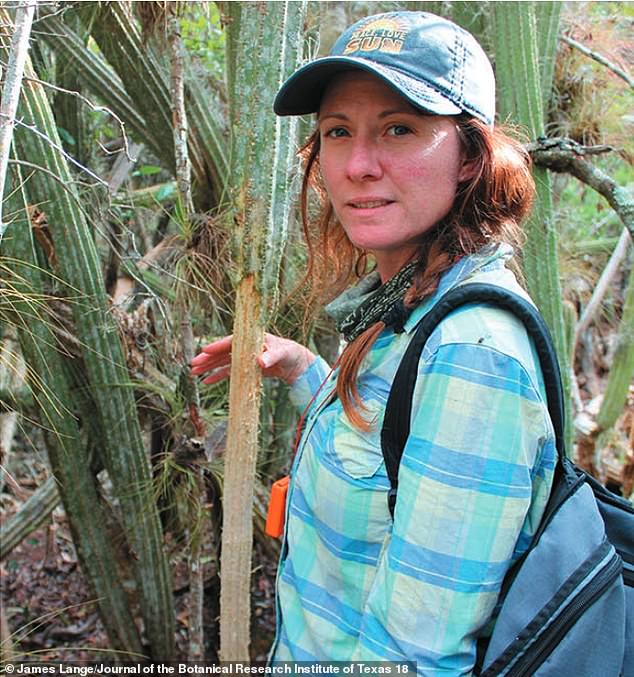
point(622, 369)
point(520, 100)
point(264, 42)
point(69, 459)
point(124, 455)
point(135, 85)
point(547, 15)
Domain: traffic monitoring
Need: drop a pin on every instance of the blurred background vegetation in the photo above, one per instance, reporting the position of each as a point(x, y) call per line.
point(125, 251)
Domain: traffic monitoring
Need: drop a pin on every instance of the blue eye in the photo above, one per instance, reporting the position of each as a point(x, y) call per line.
point(337, 132)
point(398, 130)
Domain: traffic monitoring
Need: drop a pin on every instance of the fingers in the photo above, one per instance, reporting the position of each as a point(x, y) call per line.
point(215, 357)
point(217, 351)
point(280, 358)
point(217, 376)
point(219, 348)
point(284, 359)
point(222, 345)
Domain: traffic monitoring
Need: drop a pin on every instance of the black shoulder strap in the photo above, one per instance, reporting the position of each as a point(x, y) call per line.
point(396, 424)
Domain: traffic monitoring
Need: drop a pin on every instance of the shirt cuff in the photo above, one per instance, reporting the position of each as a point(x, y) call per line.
point(306, 385)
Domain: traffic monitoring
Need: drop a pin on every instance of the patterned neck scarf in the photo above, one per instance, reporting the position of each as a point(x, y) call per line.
point(369, 302)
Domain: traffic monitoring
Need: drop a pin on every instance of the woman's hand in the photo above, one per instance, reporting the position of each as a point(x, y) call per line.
point(280, 358)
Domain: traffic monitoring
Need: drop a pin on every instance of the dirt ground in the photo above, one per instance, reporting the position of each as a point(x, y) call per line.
point(50, 611)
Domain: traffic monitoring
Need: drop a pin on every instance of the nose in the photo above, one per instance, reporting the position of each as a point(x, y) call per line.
point(363, 162)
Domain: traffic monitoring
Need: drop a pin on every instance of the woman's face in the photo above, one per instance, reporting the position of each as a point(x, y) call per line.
point(391, 172)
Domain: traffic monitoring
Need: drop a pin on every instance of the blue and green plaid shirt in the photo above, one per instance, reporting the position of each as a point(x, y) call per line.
point(476, 472)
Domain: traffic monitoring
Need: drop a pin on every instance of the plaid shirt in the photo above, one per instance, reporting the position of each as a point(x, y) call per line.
point(473, 483)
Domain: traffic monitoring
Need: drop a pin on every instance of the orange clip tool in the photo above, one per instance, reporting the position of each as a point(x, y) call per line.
point(277, 508)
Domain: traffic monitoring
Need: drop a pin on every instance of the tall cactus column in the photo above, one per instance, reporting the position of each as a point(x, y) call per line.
point(526, 32)
point(263, 41)
point(76, 262)
point(521, 99)
point(68, 456)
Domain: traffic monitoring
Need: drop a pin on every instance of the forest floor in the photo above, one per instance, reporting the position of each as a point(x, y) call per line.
point(48, 606)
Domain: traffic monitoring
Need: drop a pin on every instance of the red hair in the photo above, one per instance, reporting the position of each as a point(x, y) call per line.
point(488, 208)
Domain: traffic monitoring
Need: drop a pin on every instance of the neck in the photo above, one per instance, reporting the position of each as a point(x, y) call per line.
point(388, 263)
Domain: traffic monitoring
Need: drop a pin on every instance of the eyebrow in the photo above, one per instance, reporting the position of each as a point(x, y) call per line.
point(383, 114)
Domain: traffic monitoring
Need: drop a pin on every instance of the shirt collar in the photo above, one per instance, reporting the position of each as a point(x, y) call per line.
point(488, 258)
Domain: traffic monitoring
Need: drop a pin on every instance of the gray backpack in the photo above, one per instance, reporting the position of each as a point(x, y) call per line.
point(567, 605)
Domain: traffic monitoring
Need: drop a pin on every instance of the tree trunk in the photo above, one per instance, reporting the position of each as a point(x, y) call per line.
point(17, 56)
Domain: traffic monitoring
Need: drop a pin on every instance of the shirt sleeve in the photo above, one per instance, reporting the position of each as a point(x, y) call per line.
point(471, 480)
point(308, 382)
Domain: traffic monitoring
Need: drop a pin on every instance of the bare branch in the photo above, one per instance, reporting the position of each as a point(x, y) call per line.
point(566, 156)
point(11, 90)
point(599, 58)
point(617, 257)
point(92, 106)
point(48, 172)
point(59, 148)
point(183, 181)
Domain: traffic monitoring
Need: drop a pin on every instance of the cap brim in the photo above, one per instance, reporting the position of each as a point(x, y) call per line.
point(301, 94)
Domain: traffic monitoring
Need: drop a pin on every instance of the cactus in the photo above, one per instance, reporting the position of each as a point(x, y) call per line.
point(516, 58)
point(263, 47)
point(123, 451)
point(547, 15)
point(622, 369)
point(138, 91)
point(69, 459)
point(517, 61)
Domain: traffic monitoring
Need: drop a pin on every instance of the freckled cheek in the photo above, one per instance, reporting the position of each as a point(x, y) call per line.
point(437, 169)
point(331, 178)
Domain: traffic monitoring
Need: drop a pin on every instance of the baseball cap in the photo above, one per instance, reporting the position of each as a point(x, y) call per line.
point(430, 61)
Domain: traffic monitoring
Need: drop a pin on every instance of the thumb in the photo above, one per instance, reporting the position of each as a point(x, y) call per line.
point(266, 359)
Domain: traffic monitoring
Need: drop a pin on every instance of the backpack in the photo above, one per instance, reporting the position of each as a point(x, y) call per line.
point(567, 605)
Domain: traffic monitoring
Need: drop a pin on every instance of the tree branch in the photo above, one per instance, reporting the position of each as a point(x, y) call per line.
point(183, 181)
point(617, 257)
point(11, 90)
point(93, 107)
point(179, 117)
point(566, 156)
point(58, 148)
point(599, 58)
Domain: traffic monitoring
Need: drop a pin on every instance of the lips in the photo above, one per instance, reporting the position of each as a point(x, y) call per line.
point(369, 203)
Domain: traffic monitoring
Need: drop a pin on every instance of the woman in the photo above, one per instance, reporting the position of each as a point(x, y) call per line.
point(414, 180)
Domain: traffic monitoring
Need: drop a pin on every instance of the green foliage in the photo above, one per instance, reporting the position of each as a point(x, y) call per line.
point(204, 38)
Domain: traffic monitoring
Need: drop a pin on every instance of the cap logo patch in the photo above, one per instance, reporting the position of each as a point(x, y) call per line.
point(382, 35)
